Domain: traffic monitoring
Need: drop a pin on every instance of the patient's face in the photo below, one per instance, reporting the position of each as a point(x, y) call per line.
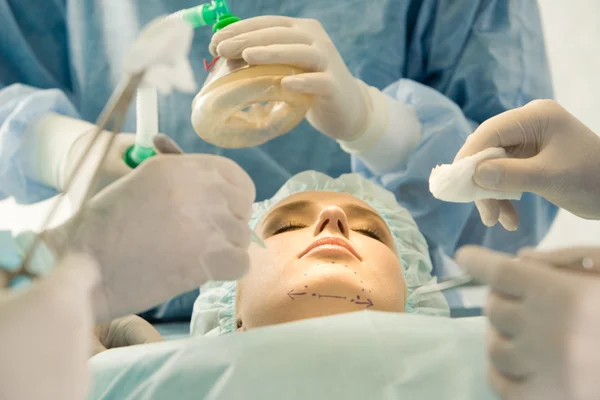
point(327, 253)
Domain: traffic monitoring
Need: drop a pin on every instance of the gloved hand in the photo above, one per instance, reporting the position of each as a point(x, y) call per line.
point(553, 155)
point(130, 330)
point(545, 325)
point(167, 227)
point(342, 107)
point(45, 334)
point(112, 169)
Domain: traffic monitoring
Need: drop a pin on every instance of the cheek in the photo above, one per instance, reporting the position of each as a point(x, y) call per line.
point(268, 266)
point(384, 272)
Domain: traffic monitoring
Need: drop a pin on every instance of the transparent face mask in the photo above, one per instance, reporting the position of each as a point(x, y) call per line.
point(243, 106)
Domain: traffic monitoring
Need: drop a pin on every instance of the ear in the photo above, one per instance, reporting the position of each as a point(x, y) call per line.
point(240, 327)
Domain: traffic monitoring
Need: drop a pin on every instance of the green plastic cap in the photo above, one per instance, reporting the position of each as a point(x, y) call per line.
point(224, 21)
point(135, 155)
point(215, 13)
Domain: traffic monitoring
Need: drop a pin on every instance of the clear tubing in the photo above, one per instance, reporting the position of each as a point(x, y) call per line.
point(194, 16)
point(146, 117)
point(215, 12)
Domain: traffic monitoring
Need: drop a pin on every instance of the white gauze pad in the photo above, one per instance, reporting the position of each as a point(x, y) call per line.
point(454, 182)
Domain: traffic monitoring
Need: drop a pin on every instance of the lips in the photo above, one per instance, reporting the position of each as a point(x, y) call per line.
point(332, 241)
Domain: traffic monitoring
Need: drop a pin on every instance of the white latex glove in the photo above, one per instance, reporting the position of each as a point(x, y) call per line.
point(543, 339)
point(170, 225)
point(112, 169)
point(342, 105)
point(130, 330)
point(45, 333)
point(162, 50)
point(553, 155)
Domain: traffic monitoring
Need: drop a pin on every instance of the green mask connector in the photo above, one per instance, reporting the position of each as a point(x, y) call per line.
point(135, 155)
point(215, 13)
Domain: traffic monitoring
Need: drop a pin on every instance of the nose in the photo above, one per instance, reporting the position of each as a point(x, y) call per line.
point(333, 220)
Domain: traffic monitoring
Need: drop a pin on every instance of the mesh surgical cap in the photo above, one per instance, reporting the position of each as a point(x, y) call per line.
point(214, 310)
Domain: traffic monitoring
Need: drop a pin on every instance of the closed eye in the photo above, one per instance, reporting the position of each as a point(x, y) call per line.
point(370, 233)
point(287, 226)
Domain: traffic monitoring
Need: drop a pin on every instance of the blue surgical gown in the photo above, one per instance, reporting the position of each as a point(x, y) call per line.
point(481, 56)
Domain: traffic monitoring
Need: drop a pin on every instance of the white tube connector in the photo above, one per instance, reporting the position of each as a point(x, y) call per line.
point(146, 116)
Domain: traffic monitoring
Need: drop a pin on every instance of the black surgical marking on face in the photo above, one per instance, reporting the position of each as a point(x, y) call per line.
point(368, 302)
point(333, 297)
point(293, 294)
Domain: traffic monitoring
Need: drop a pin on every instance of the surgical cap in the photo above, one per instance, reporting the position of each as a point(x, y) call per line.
point(214, 310)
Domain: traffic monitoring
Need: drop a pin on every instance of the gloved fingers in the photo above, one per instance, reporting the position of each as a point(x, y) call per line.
point(238, 200)
point(489, 211)
point(503, 130)
point(63, 292)
point(506, 357)
point(505, 314)
point(510, 175)
point(73, 272)
point(248, 25)
point(504, 275)
point(166, 145)
point(211, 173)
point(229, 170)
point(576, 258)
point(233, 47)
point(132, 330)
point(306, 57)
point(316, 83)
point(235, 231)
point(225, 263)
point(508, 215)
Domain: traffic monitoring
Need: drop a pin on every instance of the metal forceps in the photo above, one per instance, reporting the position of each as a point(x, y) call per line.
point(447, 284)
point(115, 110)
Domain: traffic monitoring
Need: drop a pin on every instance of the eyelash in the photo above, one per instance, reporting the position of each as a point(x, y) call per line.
point(370, 233)
point(288, 226)
point(291, 226)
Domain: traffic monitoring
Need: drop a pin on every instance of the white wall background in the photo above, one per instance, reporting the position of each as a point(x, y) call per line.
point(573, 40)
point(572, 30)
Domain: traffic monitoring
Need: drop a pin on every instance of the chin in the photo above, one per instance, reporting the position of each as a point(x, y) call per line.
point(321, 280)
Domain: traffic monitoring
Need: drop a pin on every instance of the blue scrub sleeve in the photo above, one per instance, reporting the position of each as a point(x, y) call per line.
point(33, 50)
point(447, 226)
point(487, 56)
point(482, 57)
